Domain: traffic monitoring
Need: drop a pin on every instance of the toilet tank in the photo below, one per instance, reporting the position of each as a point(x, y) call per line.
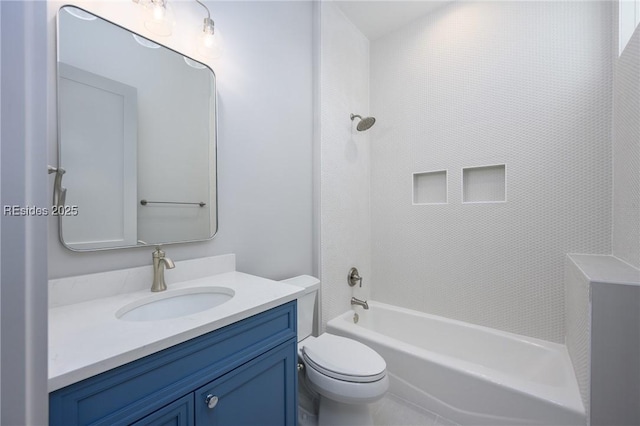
point(306, 303)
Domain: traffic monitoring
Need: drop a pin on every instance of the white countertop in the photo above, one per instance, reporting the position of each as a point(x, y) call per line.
point(86, 338)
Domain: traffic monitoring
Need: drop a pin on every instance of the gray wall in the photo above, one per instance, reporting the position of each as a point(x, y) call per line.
point(264, 138)
point(578, 324)
point(527, 84)
point(615, 354)
point(23, 344)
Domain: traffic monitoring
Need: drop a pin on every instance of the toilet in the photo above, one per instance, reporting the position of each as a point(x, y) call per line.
point(345, 374)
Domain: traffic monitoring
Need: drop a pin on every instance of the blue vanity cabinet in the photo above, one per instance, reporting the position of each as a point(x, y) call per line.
point(250, 366)
point(178, 413)
point(257, 394)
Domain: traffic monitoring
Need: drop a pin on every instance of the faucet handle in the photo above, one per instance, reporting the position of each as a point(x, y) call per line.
point(354, 277)
point(158, 252)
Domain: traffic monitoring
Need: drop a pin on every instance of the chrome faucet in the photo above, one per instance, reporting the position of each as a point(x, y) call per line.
point(160, 262)
point(362, 303)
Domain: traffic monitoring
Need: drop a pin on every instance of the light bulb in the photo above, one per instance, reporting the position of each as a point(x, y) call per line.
point(158, 12)
point(194, 64)
point(210, 46)
point(159, 18)
point(144, 42)
point(79, 13)
point(210, 40)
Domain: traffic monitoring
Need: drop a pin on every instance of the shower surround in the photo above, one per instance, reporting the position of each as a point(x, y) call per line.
point(345, 232)
point(526, 84)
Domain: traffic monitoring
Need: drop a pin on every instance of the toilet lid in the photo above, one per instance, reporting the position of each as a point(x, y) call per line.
point(344, 359)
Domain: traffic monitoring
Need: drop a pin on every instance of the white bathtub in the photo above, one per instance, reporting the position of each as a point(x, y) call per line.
point(466, 373)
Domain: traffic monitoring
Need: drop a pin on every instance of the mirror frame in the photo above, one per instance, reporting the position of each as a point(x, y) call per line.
point(213, 140)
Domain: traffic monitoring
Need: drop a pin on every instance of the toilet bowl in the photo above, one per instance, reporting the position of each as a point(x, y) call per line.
point(346, 375)
point(343, 369)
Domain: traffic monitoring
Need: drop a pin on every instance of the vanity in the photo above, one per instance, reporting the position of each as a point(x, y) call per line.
point(137, 167)
point(231, 364)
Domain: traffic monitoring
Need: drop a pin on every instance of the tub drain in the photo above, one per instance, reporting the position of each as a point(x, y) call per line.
point(355, 318)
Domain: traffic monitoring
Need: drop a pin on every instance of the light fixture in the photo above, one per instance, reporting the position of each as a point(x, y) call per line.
point(159, 19)
point(144, 42)
point(210, 44)
point(79, 13)
point(193, 64)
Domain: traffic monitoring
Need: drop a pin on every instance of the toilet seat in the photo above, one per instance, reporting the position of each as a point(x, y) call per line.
point(343, 359)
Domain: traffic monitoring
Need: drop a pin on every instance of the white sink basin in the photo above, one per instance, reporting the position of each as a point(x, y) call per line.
point(174, 304)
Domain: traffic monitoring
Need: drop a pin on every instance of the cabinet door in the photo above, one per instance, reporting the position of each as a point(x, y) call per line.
point(178, 413)
point(262, 392)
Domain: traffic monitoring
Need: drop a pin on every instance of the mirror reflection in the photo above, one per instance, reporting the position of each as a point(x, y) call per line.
point(137, 138)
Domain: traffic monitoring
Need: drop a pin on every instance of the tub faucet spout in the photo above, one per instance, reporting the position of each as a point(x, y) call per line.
point(160, 262)
point(362, 303)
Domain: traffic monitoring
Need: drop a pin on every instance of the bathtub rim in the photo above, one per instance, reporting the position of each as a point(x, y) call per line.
point(566, 397)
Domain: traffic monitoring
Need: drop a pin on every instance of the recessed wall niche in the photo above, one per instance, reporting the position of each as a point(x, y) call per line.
point(430, 187)
point(484, 184)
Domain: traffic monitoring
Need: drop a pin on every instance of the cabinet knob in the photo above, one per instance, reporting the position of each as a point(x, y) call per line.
point(211, 401)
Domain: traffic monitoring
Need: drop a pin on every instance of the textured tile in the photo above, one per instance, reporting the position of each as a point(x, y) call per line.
point(526, 84)
point(345, 235)
point(626, 153)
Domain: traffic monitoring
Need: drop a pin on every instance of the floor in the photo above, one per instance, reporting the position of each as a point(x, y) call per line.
point(394, 411)
point(389, 411)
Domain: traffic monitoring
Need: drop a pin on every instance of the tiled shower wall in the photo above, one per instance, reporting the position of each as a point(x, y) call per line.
point(626, 153)
point(526, 84)
point(345, 235)
point(626, 210)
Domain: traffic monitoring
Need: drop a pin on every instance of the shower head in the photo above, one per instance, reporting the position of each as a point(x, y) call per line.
point(365, 123)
